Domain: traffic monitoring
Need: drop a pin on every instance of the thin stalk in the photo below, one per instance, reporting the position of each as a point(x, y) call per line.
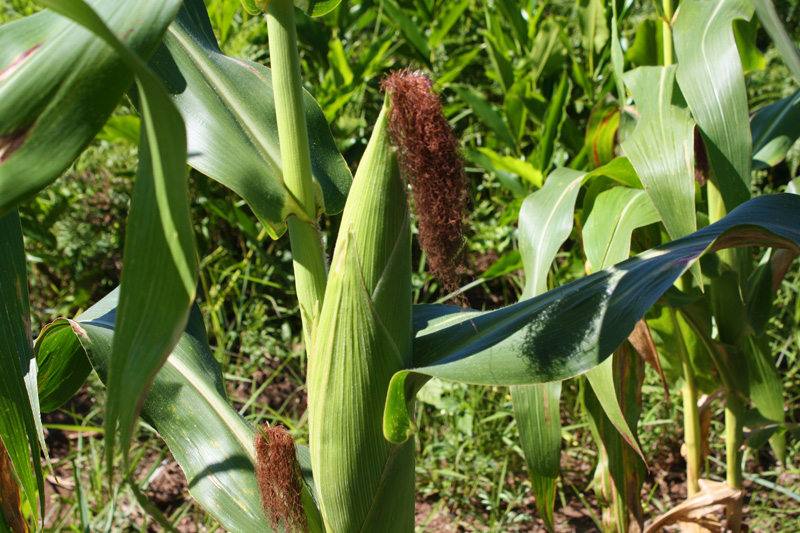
point(666, 34)
point(734, 414)
point(308, 256)
point(691, 416)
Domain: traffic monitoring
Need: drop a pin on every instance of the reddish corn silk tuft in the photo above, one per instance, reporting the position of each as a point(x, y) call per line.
point(430, 161)
point(279, 478)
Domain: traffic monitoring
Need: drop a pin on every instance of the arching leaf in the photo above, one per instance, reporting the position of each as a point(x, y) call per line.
point(711, 79)
point(232, 132)
point(188, 407)
point(59, 84)
point(575, 327)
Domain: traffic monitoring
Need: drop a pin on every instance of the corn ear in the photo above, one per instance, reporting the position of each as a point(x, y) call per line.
point(362, 337)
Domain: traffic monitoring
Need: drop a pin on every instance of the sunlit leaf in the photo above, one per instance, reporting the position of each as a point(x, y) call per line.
point(575, 327)
point(711, 79)
point(536, 409)
point(159, 272)
point(775, 128)
point(18, 398)
point(615, 214)
point(231, 127)
point(773, 24)
point(661, 148)
point(58, 86)
point(545, 223)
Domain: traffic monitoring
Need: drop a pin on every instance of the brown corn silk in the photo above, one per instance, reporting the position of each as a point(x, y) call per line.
point(278, 473)
point(429, 158)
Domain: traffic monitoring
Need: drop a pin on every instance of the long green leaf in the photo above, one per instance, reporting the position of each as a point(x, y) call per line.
point(606, 244)
point(314, 8)
point(620, 466)
point(545, 222)
point(783, 42)
point(231, 127)
point(446, 20)
point(594, 30)
point(188, 407)
point(536, 408)
point(603, 384)
point(18, 398)
point(775, 128)
point(159, 272)
point(711, 79)
point(58, 86)
point(409, 30)
point(607, 232)
point(661, 148)
point(573, 328)
point(556, 115)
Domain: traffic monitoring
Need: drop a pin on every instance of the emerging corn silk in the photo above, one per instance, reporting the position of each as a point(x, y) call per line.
point(430, 161)
point(278, 473)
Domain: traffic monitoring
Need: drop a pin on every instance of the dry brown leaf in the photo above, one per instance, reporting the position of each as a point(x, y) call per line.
point(781, 261)
point(712, 497)
point(643, 344)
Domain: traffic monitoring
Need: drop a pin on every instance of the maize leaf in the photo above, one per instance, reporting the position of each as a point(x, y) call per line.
point(232, 131)
point(59, 84)
point(186, 404)
point(159, 244)
point(711, 79)
point(20, 428)
point(575, 327)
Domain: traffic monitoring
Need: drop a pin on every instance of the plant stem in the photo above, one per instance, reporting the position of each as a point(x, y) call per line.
point(734, 412)
point(308, 256)
point(666, 34)
point(691, 417)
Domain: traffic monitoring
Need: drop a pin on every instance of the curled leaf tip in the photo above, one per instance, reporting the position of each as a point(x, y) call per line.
point(430, 161)
point(279, 478)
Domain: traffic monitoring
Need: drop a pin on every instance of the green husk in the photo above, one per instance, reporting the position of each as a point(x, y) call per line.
point(362, 337)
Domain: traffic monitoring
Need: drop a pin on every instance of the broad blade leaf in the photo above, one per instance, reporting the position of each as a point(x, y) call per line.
point(18, 398)
point(159, 272)
point(711, 79)
point(603, 384)
point(661, 148)
point(573, 328)
point(536, 408)
point(187, 405)
point(594, 29)
point(485, 112)
point(232, 132)
point(783, 42)
point(607, 232)
point(556, 114)
point(314, 8)
point(775, 128)
point(59, 84)
point(545, 222)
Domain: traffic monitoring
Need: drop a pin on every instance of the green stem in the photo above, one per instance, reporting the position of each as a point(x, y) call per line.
point(691, 416)
point(308, 255)
point(669, 11)
point(734, 414)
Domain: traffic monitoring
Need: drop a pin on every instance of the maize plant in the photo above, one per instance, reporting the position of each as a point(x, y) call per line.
point(255, 130)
